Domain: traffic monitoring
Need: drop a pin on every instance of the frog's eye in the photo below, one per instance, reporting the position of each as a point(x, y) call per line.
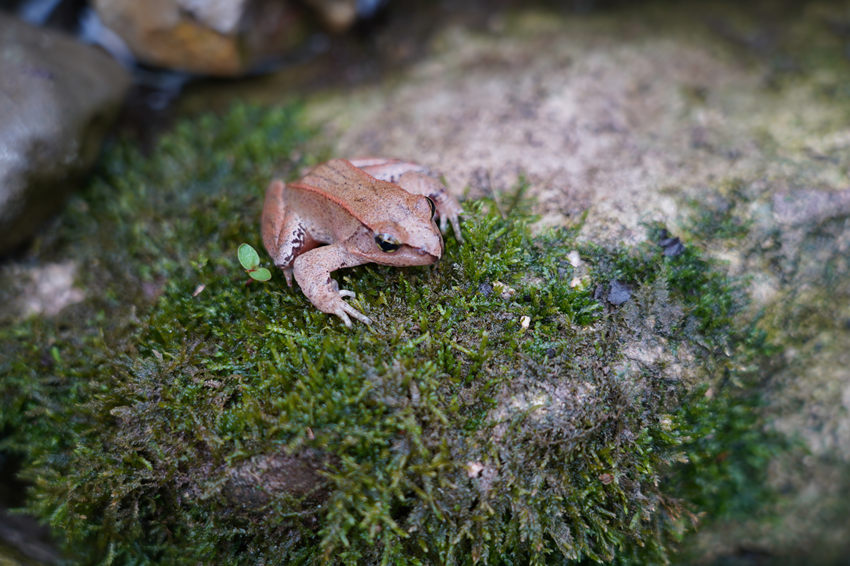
point(387, 243)
point(433, 207)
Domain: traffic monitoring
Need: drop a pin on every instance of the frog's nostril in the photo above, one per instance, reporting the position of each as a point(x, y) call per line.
point(435, 253)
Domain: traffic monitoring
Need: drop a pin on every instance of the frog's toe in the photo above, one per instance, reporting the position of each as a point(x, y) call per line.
point(445, 219)
point(343, 309)
point(456, 228)
point(341, 314)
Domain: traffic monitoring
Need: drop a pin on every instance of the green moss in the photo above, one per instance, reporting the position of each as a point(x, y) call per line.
point(720, 215)
point(236, 423)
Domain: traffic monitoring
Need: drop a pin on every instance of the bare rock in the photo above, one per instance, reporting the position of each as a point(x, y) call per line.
point(257, 481)
point(58, 99)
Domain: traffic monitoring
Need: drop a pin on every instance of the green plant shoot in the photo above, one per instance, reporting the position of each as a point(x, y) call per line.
point(250, 260)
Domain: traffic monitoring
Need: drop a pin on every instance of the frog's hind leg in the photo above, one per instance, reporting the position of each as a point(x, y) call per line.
point(284, 236)
point(389, 170)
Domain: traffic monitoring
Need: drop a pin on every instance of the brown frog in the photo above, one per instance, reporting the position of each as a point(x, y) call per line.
point(350, 212)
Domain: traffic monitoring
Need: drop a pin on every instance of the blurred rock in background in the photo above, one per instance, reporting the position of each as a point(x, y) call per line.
point(223, 37)
point(59, 98)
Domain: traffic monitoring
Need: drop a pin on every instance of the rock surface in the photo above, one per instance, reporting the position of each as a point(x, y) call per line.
point(337, 15)
point(651, 116)
point(58, 99)
point(225, 37)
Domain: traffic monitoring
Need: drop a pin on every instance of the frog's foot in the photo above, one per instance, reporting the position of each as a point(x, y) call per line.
point(343, 309)
point(449, 210)
point(312, 271)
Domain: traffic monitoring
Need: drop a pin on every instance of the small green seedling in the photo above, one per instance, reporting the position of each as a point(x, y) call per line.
point(250, 260)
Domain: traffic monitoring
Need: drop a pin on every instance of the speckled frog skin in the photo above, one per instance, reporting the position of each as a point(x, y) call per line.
point(345, 213)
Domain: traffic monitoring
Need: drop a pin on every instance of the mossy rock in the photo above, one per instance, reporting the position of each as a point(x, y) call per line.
point(531, 398)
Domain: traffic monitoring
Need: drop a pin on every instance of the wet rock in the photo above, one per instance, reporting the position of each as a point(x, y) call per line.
point(224, 37)
point(59, 97)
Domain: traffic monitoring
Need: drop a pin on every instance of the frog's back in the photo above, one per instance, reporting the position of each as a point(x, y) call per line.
point(361, 195)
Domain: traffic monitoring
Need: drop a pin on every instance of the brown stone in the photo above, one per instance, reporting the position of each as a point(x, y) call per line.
point(221, 37)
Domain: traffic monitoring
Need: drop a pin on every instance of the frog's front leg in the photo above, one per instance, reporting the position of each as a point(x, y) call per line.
point(313, 273)
point(415, 179)
point(284, 234)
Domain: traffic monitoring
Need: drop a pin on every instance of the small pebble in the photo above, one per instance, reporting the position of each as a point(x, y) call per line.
point(619, 293)
point(671, 245)
point(504, 291)
point(474, 469)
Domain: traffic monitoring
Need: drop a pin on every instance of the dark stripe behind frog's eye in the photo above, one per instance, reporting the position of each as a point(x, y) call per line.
point(433, 207)
point(387, 243)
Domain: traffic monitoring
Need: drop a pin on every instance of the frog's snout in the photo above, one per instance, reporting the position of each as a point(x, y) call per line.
point(433, 248)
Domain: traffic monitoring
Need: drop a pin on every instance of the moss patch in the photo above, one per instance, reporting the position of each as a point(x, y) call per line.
point(529, 399)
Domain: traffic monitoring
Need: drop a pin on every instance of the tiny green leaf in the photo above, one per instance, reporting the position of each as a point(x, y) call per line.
point(248, 257)
point(260, 274)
